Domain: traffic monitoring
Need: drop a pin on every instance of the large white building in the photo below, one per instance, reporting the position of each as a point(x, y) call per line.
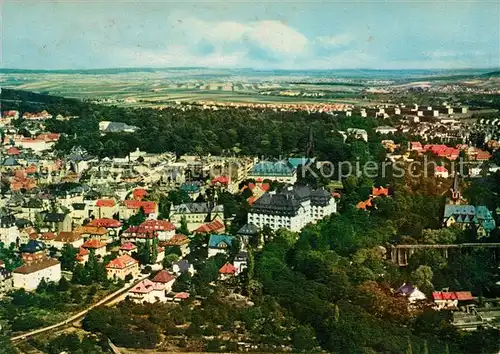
point(37, 266)
point(292, 208)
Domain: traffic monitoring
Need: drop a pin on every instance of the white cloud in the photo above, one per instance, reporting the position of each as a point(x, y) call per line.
point(335, 41)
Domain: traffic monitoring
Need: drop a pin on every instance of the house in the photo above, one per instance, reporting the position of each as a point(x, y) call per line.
point(46, 237)
point(219, 244)
point(195, 214)
point(97, 232)
point(411, 293)
point(441, 172)
point(36, 266)
point(214, 226)
point(116, 127)
point(97, 246)
point(106, 208)
point(127, 248)
point(9, 232)
point(469, 215)
point(247, 232)
point(138, 234)
point(58, 222)
point(292, 208)
point(227, 271)
point(147, 291)
point(71, 238)
point(163, 228)
point(446, 300)
point(132, 207)
point(183, 266)
point(257, 189)
point(240, 262)
point(79, 212)
point(179, 240)
point(281, 171)
point(82, 256)
point(122, 266)
point(26, 234)
point(165, 278)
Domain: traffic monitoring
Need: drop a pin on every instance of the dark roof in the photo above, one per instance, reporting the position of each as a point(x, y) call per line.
point(54, 217)
point(33, 246)
point(288, 200)
point(78, 206)
point(22, 223)
point(7, 220)
point(249, 229)
point(33, 203)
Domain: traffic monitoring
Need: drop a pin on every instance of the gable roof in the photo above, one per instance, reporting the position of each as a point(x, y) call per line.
point(213, 226)
point(227, 268)
point(215, 240)
point(121, 262)
point(68, 237)
point(249, 229)
point(177, 240)
point(105, 222)
point(145, 287)
point(93, 244)
point(105, 203)
point(128, 246)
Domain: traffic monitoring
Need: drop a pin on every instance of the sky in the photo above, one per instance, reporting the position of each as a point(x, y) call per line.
point(260, 34)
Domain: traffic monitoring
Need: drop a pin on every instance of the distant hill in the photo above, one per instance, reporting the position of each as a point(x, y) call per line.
point(492, 74)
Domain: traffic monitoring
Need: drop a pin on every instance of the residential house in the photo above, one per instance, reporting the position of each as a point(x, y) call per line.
point(240, 262)
point(9, 232)
point(448, 300)
point(36, 266)
point(183, 266)
point(79, 213)
point(147, 291)
point(82, 256)
point(384, 130)
point(165, 278)
point(57, 222)
point(70, 238)
point(163, 228)
point(441, 172)
point(179, 240)
point(122, 266)
point(138, 234)
point(127, 248)
point(214, 226)
point(132, 207)
point(219, 244)
point(248, 232)
point(106, 208)
point(95, 232)
point(411, 293)
point(26, 233)
point(227, 271)
point(95, 245)
point(195, 214)
point(5, 279)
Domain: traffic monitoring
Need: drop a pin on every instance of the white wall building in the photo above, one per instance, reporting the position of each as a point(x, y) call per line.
point(292, 208)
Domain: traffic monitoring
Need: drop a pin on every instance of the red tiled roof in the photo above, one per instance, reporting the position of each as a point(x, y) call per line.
point(182, 296)
point(47, 236)
point(221, 180)
point(105, 203)
point(105, 222)
point(227, 268)
point(93, 243)
point(128, 246)
point(139, 232)
point(177, 240)
point(377, 192)
point(452, 295)
point(148, 206)
point(121, 262)
point(145, 287)
point(440, 169)
point(139, 193)
point(13, 151)
point(214, 226)
point(163, 277)
point(160, 225)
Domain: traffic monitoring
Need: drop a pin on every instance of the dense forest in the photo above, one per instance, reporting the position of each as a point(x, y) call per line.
point(237, 131)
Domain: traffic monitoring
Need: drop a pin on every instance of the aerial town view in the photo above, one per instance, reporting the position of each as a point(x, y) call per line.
point(299, 177)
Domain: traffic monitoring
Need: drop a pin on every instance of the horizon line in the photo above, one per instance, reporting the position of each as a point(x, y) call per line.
point(494, 68)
